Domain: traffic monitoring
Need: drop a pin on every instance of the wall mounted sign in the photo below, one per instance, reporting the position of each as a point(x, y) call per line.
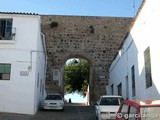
point(24, 73)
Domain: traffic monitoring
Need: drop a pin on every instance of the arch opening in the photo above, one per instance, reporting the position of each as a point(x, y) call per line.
point(89, 93)
point(76, 80)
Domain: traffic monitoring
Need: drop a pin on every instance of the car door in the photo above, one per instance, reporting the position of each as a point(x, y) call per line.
point(127, 112)
point(123, 112)
point(132, 115)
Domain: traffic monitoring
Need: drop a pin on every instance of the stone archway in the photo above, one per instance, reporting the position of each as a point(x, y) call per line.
point(91, 97)
point(97, 39)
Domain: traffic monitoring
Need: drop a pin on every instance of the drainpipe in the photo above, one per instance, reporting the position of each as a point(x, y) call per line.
point(46, 57)
point(45, 52)
point(44, 44)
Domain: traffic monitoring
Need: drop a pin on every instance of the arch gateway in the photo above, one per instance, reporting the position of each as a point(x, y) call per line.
point(96, 39)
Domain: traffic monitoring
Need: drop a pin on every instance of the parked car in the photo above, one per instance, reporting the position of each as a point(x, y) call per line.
point(139, 110)
point(53, 101)
point(107, 107)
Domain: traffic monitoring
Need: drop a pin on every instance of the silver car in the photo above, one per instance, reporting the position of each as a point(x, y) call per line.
point(107, 107)
point(53, 101)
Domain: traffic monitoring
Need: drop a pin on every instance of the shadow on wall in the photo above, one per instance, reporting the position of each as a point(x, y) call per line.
point(127, 74)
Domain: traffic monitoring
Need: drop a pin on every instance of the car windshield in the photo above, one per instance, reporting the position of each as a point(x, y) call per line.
point(109, 101)
point(150, 113)
point(53, 97)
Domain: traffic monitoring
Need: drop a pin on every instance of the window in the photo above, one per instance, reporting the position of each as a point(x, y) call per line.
point(133, 81)
point(112, 89)
point(109, 101)
point(5, 29)
point(124, 110)
point(5, 70)
point(119, 89)
point(127, 88)
point(38, 81)
point(132, 113)
point(53, 97)
point(148, 74)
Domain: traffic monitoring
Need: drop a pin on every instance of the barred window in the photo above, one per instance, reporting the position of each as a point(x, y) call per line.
point(5, 70)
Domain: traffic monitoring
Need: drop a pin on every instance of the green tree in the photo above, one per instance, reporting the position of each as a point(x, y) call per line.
point(76, 77)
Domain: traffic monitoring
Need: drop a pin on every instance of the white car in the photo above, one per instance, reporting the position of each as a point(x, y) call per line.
point(53, 101)
point(107, 107)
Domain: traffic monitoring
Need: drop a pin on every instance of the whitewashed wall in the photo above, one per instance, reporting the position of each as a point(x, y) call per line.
point(144, 33)
point(20, 93)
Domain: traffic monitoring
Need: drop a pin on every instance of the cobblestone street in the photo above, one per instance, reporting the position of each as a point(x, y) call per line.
point(73, 112)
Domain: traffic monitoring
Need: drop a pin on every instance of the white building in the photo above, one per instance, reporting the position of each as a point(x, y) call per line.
point(22, 63)
point(134, 73)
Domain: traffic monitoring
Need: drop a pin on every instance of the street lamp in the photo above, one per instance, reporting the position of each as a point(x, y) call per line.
point(75, 62)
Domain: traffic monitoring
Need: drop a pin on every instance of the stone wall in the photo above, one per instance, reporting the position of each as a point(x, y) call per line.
point(96, 39)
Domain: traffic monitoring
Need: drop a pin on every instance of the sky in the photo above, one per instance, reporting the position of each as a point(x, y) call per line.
point(114, 8)
point(75, 98)
point(110, 8)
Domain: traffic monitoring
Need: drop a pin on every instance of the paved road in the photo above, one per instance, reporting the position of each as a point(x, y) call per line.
point(69, 113)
